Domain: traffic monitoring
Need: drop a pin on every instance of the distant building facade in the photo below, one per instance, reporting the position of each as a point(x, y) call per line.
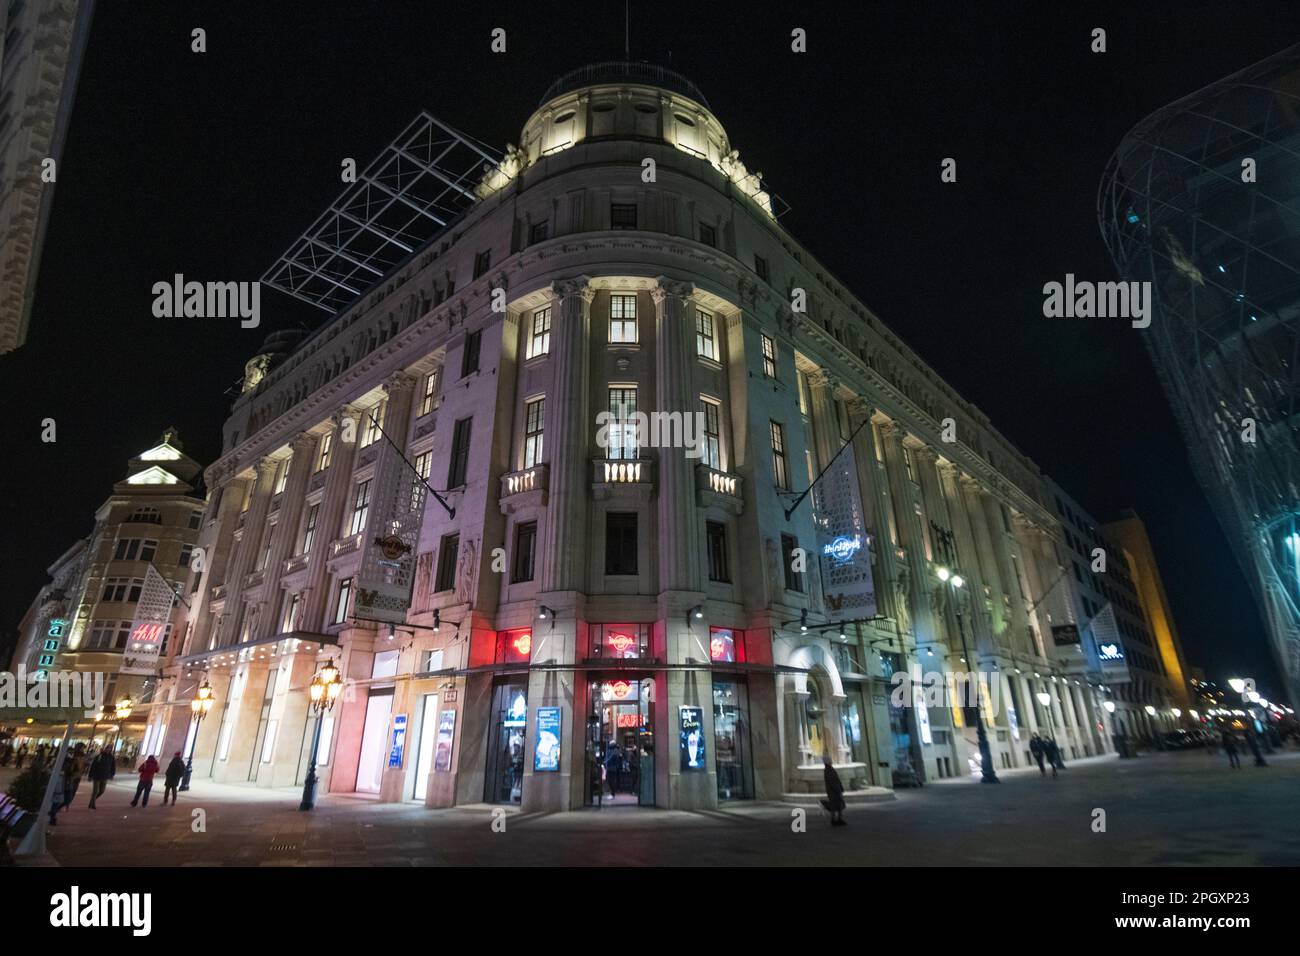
point(604, 618)
point(39, 63)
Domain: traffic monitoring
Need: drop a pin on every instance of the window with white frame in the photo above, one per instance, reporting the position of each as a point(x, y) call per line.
point(706, 335)
point(374, 422)
point(326, 451)
point(534, 424)
point(779, 468)
point(147, 515)
point(539, 338)
point(135, 549)
point(769, 355)
point(429, 398)
point(622, 438)
point(309, 528)
point(622, 319)
point(360, 507)
point(281, 475)
point(712, 412)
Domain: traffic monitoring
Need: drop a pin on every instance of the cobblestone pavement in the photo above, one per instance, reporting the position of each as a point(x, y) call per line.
point(1164, 809)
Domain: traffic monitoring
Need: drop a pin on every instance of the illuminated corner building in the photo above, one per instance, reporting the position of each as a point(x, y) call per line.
point(152, 517)
point(1125, 643)
point(604, 615)
point(1223, 259)
point(39, 63)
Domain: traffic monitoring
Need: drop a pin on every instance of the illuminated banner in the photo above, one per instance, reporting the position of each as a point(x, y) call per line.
point(692, 738)
point(546, 742)
point(387, 573)
point(446, 740)
point(149, 629)
point(842, 540)
point(1110, 649)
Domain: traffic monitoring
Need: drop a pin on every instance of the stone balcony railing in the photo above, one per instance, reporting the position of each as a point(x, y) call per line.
point(219, 592)
point(624, 477)
point(345, 545)
point(714, 487)
point(296, 563)
point(524, 488)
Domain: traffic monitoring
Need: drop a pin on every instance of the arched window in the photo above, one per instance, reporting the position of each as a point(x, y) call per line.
point(147, 515)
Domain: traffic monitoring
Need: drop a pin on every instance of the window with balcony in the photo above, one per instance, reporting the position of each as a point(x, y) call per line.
point(712, 412)
point(622, 437)
point(534, 423)
point(622, 319)
point(360, 507)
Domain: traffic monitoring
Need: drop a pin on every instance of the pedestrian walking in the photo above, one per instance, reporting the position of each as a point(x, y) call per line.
point(1037, 750)
point(146, 772)
point(40, 755)
point(834, 801)
point(101, 771)
point(74, 765)
point(1253, 743)
point(172, 777)
point(1053, 754)
point(1059, 751)
point(1230, 748)
point(22, 755)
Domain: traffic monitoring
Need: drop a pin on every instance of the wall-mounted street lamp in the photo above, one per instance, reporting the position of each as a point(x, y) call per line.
point(1109, 705)
point(124, 707)
point(199, 707)
point(988, 774)
point(695, 613)
point(324, 690)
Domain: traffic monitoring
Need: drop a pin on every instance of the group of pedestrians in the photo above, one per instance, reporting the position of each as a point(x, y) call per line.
point(100, 768)
point(1046, 752)
point(1230, 748)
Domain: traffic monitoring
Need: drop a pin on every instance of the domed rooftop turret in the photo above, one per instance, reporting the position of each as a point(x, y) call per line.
point(624, 71)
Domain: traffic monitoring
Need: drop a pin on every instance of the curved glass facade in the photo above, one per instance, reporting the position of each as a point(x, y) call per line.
point(1202, 200)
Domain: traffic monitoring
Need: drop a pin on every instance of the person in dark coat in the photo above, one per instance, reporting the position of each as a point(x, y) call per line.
point(146, 772)
point(172, 777)
point(1230, 748)
point(101, 769)
point(22, 755)
point(1036, 748)
point(74, 765)
point(1053, 754)
point(834, 801)
point(1254, 747)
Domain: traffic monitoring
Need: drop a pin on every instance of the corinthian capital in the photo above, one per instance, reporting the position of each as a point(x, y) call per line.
point(820, 378)
point(577, 286)
point(671, 287)
point(399, 382)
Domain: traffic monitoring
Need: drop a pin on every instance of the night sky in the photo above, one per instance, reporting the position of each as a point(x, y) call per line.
point(210, 164)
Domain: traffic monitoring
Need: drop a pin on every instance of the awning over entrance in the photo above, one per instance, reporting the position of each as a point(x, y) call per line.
point(599, 664)
point(233, 650)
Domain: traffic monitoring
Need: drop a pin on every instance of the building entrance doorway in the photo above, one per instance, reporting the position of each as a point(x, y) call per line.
point(621, 744)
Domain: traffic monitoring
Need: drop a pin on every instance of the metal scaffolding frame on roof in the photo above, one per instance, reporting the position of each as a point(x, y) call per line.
point(420, 182)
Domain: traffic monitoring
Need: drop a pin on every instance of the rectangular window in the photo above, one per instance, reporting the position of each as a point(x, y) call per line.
point(789, 550)
point(459, 464)
point(424, 465)
point(360, 507)
point(196, 519)
point(374, 423)
point(429, 399)
point(769, 355)
point(482, 262)
point(760, 267)
point(187, 552)
point(539, 232)
point(525, 548)
point(148, 549)
point(534, 422)
point(309, 528)
point(706, 337)
point(469, 357)
point(326, 448)
point(539, 338)
point(448, 554)
point(716, 533)
point(622, 215)
point(779, 469)
point(341, 600)
point(290, 622)
point(281, 475)
point(622, 319)
point(712, 433)
point(708, 235)
point(620, 542)
point(622, 423)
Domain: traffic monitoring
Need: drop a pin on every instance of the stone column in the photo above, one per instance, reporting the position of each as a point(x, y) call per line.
point(680, 529)
point(871, 485)
point(329, 521)
point(286, 529)
point(245, 557)
point(568, 424)
point(218, 549)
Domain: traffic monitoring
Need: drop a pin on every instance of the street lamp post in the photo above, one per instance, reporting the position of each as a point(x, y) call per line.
point(1045, 699)
point(987, 773)
point(200, 705)
point(324, 690)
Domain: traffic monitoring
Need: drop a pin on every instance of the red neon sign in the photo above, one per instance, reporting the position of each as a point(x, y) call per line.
point(630, 720)
point(619, 689)
point(523, 643)
point(620, 642)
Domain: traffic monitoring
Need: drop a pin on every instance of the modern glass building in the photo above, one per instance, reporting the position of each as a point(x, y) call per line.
point(1202, 200)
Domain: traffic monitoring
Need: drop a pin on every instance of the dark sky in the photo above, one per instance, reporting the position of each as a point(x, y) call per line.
point(210, 164)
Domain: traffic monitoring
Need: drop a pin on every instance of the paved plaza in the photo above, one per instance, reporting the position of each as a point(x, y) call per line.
point(1164, 809)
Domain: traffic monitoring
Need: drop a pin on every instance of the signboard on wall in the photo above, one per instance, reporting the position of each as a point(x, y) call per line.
point(149, 629)
point(1064, 634)
point(398, 743)
point(1110, 648)
point(387, 574)
point(692, 738)
point(546, 740)
point(842, 540)
point(446, 738)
